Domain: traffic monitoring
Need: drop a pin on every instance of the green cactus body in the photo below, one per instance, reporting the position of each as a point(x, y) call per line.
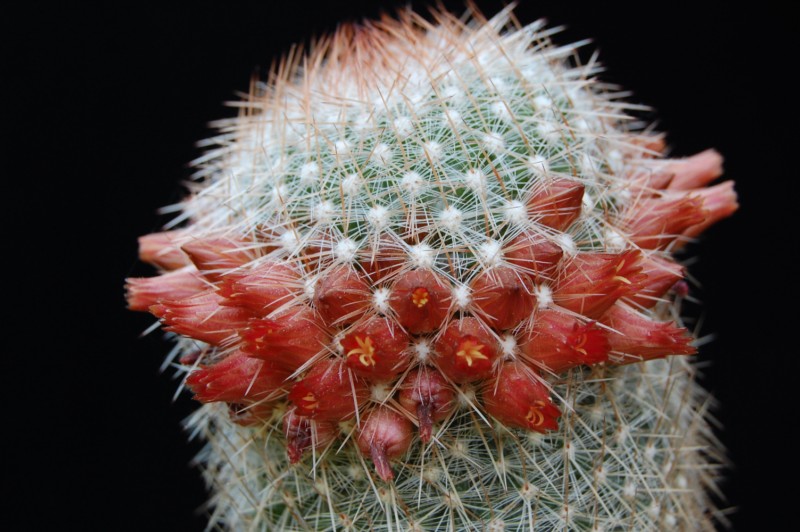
point(425, 282)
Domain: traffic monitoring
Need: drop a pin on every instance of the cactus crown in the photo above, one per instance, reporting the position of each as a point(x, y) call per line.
point(419, 271)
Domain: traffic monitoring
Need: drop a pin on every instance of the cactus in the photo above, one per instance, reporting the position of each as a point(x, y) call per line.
point(425, 281)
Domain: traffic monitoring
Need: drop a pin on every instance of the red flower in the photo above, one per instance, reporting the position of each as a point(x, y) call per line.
point(641, 338)
point(466, 351)
point(203, 318)
point(376, 350)
point(142, 293)
point(517, 397)
point(557, 341)
point(591, 282)
point(237, 379)
point(289, 339)
point(661, 275)
point(694, 172)
point(216, 256)
point(719, 201)
point(328, 392)
point(342, 296)
point(421, 301)
point(503, 297)
point(654, 223)
point(264, 288)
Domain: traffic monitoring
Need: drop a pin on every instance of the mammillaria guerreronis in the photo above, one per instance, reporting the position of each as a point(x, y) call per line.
point(425, 280)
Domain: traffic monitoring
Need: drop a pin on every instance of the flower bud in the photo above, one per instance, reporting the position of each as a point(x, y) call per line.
point(384, 260)
point(264, 288)
point(661, 275)
point(216, 256)
point(695, 171)
point(535, 254)
point(384, 436)
point(342, 296)
point(719, 202)
point(425, 392)
point(161, 250)
point(303, 433)
point(503, 297)
point(142, 293)
point(654, 223)
point(557, 204)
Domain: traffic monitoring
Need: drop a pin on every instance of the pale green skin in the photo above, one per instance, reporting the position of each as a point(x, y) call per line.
point(634, 450)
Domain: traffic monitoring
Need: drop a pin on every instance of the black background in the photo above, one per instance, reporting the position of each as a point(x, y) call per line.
point(104, 107)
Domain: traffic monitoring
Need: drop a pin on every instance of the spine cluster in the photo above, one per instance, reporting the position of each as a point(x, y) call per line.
point(420, 276)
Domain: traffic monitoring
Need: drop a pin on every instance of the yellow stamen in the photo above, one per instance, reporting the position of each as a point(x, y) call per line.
point(420, 296)
point(469, 350)
point(365, 351)
point(535, 417)
point(310, 401)
point(581, 342)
